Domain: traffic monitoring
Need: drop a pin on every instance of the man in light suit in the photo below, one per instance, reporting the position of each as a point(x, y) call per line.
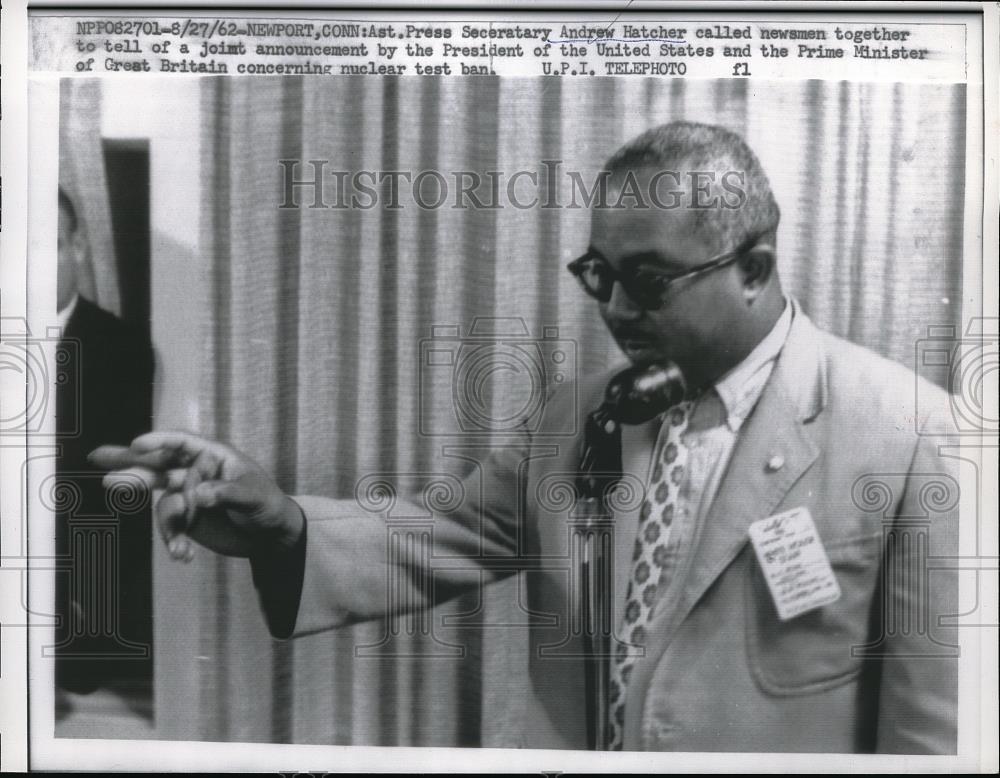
point(782, 425)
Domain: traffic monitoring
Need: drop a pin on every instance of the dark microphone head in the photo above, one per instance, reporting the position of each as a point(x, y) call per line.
point(641, 392)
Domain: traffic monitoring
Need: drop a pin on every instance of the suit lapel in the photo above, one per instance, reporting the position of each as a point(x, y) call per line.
point(773, 450)
point(751, 489)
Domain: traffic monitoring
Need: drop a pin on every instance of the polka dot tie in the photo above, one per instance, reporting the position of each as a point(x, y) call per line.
point(651, 562)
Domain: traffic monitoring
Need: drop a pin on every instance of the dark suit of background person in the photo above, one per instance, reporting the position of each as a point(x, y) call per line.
point(835, 429)
point(108, 396)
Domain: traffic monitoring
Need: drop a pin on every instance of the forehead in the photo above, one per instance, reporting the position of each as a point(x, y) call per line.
point(664, 223)
point(622, 232)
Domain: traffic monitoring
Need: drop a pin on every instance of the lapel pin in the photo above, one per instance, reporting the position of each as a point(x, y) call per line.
point(775, 463)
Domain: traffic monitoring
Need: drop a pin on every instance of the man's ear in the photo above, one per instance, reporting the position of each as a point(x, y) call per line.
point(757, 266)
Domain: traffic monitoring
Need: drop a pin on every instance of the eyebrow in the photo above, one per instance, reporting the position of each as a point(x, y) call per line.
point(651, 257)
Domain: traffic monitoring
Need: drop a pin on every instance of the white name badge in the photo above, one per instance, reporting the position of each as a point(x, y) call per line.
point(794, 562)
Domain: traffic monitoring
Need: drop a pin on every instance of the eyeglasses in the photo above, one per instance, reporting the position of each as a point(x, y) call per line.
point(647, 289)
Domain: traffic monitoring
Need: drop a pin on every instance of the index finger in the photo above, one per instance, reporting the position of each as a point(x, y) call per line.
point(123, 458)
point(111, 457)
point(155, 450)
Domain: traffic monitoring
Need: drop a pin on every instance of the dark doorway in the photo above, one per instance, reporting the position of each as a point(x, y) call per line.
point(104, 652)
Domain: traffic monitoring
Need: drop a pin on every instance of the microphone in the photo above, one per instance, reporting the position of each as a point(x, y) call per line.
point(633, 396)
point(641, 392)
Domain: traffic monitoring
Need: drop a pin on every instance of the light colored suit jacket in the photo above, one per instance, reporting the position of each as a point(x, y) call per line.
point(838, 430)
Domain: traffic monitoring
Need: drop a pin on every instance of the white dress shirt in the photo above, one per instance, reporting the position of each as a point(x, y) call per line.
point(66, 312)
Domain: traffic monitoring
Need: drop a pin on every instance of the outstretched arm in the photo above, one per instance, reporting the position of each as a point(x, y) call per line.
point(319, 562)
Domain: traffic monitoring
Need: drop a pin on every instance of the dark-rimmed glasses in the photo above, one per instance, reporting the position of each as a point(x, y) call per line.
point(646, 288)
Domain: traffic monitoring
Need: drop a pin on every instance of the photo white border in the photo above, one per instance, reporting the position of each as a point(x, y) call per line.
point(23, 129)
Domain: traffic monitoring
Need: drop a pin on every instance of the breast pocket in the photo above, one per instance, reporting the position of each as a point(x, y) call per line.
point(813, 652)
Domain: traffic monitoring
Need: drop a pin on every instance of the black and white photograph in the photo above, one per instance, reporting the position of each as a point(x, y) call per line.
point(531, 412)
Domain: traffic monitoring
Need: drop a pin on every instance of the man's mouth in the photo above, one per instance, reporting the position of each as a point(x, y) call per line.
point(635, 345)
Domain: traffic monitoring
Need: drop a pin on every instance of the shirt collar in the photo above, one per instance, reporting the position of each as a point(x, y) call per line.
point(66, 312)
point(741, 387)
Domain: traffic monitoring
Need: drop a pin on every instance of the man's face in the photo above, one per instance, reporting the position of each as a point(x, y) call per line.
point(69, 249)
point(692, 327)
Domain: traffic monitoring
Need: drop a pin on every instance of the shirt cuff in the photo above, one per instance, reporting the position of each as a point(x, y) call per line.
point(277, 575)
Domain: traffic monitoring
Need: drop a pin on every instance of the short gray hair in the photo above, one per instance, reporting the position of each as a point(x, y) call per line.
point(689, 146)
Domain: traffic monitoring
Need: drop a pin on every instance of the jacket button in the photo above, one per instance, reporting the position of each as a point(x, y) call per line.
point(775, 463)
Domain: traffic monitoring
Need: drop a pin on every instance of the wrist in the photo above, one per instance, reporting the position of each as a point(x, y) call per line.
point(292, 523)
point(285, 529)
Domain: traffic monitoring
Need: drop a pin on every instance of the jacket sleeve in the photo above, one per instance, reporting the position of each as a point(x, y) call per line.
point(918, 695)
point(358, 564)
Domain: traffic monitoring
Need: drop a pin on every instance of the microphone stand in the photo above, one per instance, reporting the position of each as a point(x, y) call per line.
point(634, 396)
point(600, 469)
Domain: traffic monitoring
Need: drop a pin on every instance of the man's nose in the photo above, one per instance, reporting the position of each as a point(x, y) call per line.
point(621, 306)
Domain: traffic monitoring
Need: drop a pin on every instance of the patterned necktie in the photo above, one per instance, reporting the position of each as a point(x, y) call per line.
point(650, 572)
